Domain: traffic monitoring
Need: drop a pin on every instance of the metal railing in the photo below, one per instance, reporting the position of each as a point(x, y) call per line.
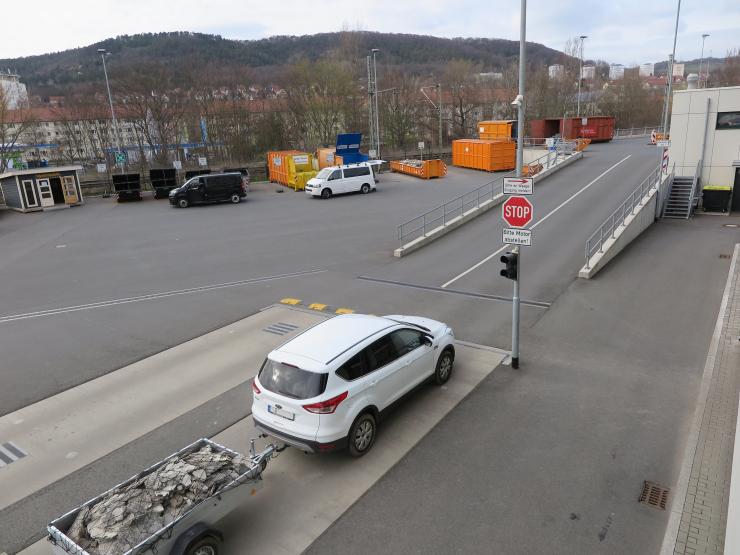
point(444, 213)
point(608, 230)
point(635, 132)
point(694, 188)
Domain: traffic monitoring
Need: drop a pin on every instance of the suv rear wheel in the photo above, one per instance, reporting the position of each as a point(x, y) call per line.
point(362, 434)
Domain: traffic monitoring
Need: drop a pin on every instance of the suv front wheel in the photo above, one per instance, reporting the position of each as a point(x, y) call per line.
point(362, 434)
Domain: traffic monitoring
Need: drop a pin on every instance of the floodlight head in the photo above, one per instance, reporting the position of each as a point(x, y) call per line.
point(518, 100)
point(102, 51)
point(705, 35)
point(583, 37)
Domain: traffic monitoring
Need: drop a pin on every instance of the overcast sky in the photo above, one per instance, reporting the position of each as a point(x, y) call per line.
point(619, 31)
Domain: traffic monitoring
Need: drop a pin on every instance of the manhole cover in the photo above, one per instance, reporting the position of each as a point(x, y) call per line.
point(724, 256)
point(654, 495)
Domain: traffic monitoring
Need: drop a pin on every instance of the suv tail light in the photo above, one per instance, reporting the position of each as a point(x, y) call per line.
point(255, 388)
point(326, 407)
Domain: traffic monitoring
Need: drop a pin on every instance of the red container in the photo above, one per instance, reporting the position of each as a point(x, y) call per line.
point(544, 129)
point(597, 128)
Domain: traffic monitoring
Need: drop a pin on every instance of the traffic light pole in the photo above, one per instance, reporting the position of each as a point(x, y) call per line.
point(515, 316)
point(519, 164)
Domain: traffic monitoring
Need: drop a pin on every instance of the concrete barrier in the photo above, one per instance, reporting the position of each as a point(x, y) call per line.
point(637, 222)
point(454, 223)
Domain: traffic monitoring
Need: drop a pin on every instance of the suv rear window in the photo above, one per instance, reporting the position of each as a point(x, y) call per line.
point(291, 381)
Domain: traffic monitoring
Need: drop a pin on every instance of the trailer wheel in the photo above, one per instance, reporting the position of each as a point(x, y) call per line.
point(182, 203)
point(204, 546)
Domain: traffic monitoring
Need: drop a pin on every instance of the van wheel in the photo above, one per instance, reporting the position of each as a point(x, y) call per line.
point(362, 434)
point(326, 193)
point(182, 203)
point(236, 199)
point(365, 189)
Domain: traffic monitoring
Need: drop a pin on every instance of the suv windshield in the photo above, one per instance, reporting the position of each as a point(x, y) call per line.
point(323, 174)
point(291, 381)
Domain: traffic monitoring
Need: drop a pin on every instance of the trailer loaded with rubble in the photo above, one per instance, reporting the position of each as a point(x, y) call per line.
point(173, 507)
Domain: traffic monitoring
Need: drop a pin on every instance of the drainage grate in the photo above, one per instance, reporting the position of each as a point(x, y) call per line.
point(280, 328)
point(654, 495)
point(10, 452)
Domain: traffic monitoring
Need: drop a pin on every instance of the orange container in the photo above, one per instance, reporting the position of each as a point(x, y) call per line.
point(278, 166)
point(425, 169)
point(488, 155)
point(325, 156)
point(338, 160)
point(502, 129)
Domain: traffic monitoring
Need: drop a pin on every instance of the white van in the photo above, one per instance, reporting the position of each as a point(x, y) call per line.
point(337, 180)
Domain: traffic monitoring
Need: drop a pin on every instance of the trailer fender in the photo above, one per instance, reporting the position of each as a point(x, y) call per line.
point(193, 534)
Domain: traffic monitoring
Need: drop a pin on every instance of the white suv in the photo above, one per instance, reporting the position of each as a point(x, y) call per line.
point(327, 388)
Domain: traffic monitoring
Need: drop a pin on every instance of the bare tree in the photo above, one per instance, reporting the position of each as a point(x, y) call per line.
point(14, 126)
point(728, 75)
point(400, 110)
point(458, 79)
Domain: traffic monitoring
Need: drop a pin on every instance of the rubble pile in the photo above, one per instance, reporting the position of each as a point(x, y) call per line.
point(132, 513)
point(413, 163)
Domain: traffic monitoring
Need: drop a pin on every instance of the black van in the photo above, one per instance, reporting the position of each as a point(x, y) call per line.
point(214, 187)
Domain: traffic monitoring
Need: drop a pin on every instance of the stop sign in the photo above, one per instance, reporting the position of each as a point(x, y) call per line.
point(517, 211)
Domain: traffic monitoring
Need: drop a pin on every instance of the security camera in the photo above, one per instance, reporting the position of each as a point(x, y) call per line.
point(518, 100)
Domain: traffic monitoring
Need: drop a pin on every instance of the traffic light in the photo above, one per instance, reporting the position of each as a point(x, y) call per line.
point(511, 260)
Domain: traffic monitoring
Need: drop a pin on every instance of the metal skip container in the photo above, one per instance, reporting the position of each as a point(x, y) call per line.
point(291, 168)
point(488, 155)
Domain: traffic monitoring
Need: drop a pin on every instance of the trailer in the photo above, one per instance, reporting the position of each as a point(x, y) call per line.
point(109, 525)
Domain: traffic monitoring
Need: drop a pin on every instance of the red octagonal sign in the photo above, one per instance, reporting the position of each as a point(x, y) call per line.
point(517, 211)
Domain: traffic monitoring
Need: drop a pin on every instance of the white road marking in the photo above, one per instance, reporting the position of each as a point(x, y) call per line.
point(164, 294)
point(566, 201)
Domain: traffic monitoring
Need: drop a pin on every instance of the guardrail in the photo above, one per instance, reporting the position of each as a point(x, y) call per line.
point(634, 132)
point(460, 205)
point(607, 230)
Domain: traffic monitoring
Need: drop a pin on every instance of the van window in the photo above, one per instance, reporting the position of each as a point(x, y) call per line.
point(336, 174)
point(291, 381)
point(356, 172)
point(323, 174)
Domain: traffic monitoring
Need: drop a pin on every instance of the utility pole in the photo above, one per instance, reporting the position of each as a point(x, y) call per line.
point(375, 89)
point(103, 52)
point(519, 163)
point(670, 75)
point(371, 104)
point(701, 60)
point(580, 76)
point(439, 108)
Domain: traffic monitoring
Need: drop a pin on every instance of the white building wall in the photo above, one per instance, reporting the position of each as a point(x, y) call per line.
point(688, 121)
point(616, 71)
point(646, 70)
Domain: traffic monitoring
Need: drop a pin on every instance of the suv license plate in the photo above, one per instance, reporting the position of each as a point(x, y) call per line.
point(280, 412)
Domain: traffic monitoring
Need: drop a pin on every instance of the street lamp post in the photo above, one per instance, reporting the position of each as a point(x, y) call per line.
point(670, 74)
point(103, 52)
point(580, 76)
point(701, 60)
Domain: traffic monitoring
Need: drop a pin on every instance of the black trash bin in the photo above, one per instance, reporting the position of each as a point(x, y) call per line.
point(716, 198)
point(163, 181)
point(127, 186)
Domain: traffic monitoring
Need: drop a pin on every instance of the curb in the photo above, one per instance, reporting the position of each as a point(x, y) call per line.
point(682, 486)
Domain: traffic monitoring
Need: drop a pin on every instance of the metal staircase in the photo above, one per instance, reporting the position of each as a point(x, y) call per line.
point(680, 199)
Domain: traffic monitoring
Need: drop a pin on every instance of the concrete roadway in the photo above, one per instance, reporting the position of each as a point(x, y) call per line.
point(52, 261)
point(105, 251)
